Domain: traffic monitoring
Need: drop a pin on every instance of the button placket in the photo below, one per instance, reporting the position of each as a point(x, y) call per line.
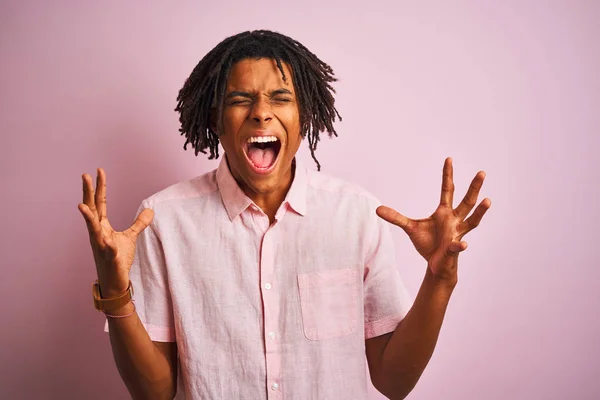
point(270, 295)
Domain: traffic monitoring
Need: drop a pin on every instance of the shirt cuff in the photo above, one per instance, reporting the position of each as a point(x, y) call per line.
point(382, 326)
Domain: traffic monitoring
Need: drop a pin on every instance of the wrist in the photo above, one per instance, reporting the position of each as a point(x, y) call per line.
point(126, 309)
point(113, 300)
point(444, 284)
point(108, 291)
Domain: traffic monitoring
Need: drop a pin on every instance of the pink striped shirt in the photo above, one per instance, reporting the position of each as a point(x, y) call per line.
point(264, 311)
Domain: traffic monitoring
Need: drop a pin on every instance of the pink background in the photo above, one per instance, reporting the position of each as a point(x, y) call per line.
point(511, 87)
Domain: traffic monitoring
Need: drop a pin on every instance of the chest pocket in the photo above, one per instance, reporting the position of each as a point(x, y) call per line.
point(329, 300)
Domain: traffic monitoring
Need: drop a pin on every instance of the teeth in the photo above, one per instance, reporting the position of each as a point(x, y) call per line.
point(262, 139)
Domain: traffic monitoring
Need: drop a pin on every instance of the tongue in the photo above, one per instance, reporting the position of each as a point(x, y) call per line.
point(261, 158)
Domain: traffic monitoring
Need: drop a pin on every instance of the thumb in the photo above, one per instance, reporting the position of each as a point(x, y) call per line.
point(142, 221)
point(456, 247)
point(393, 217)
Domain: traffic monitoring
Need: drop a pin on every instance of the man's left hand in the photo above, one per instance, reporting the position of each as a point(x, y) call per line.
point(439, 238)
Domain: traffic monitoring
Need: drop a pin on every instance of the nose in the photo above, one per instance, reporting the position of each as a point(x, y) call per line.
point(261, 110)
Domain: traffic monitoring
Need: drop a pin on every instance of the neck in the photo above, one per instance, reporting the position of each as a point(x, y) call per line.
point(270, 202)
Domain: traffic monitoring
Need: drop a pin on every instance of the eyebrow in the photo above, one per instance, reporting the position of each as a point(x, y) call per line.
point(248, 95)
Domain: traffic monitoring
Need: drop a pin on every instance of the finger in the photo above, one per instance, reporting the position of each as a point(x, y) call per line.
point(92, 223)
point(141, 223)
point(457, 247)
point(394, 217)
point(88, 194)
point(470, 199)
point(447, 196)
point(101, 194)
point(473, 221)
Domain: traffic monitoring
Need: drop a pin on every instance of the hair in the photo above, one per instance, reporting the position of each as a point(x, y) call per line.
point(201, 97)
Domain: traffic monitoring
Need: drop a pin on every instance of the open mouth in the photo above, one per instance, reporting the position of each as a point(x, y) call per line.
point(262, 152)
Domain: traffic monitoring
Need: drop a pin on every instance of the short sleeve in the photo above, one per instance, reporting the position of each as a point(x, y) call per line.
point(149, 279)
point(386, 301)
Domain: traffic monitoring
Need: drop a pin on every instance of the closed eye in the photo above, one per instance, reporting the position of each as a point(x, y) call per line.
point(238, 102)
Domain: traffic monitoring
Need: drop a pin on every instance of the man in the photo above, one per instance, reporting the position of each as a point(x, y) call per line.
point(261, 279)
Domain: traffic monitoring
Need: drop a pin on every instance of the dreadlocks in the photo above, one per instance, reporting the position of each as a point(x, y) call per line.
point(204, 90)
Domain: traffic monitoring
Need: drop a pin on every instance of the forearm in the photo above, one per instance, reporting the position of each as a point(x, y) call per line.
point(143, 368)
point(411, 345)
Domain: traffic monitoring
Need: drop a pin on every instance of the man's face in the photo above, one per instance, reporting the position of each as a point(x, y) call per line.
point(261, 125)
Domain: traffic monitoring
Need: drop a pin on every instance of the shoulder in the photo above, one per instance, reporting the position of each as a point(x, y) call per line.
point(326, 186)
point(199, 187)
point(333, 198)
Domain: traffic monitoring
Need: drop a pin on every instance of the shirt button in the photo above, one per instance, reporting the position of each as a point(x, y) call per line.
point(267, 286)
point(274, 386)
point(272, 335)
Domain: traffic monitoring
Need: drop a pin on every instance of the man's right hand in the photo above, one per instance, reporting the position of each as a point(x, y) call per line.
point(113, 251)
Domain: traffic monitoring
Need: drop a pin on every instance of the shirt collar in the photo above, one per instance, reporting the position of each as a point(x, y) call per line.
point(296, 196)
point(236, 201)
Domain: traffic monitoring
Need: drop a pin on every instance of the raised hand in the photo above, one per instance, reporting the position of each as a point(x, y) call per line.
point(439, 238)
point(113, 251)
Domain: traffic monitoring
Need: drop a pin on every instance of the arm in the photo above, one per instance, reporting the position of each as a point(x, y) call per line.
point(397, 360)
point(148, 369)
